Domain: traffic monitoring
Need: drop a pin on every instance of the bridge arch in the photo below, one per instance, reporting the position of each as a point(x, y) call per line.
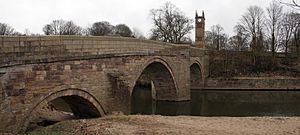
point(158, 73)
point(80, 104)
point(196, 75)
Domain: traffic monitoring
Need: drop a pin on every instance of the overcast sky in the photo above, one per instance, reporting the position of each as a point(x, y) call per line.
point(34, 14)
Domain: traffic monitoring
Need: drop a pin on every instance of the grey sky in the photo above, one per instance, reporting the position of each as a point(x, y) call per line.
point(34, 14)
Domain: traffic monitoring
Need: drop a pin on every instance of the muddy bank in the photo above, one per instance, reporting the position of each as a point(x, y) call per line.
point(179, 125)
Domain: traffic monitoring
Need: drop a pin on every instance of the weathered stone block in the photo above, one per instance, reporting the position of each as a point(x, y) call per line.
point(67, 67)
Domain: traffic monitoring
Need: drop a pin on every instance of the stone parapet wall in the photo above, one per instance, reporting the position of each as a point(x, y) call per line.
point(74, 43)
point(253, 83)
point(20, 50)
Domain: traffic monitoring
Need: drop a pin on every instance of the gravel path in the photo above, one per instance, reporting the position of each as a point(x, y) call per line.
point(180, 125)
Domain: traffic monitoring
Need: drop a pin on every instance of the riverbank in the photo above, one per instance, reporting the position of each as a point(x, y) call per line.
point(178, 125)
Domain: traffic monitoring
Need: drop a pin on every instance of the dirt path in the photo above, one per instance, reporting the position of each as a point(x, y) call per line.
point(179, 125)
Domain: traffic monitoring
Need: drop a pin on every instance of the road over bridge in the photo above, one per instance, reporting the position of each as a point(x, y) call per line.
point(94, 76)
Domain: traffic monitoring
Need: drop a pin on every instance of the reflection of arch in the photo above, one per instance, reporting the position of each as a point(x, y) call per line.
point(81, 103)
point(196, 78)
point(159, 72)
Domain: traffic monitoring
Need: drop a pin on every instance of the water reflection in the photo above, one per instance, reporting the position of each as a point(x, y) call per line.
point(221, 103)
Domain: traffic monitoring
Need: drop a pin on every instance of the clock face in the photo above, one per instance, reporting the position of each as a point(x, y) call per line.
point(199, 20)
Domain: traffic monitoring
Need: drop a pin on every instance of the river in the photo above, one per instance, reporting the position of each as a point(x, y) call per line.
point(233, 103)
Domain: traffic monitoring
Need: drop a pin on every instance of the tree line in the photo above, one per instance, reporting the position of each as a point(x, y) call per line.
point(169, 25)
point(63, 27)
point(6, 29)
point(259, 36)
point(258, 30)
point(104, 28)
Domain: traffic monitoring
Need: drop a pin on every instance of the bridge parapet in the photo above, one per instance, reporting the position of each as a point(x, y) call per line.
point(22, 50)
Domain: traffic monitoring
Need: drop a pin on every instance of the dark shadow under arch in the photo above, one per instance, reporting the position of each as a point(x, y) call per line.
point(80, 107)
point(159, 75)
point(196, 79)
point(155, 83)
point(63, 105)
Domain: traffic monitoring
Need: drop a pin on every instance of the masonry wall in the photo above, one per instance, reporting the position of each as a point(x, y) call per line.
point(107, 68)
point(240, 83)
point(109, 80)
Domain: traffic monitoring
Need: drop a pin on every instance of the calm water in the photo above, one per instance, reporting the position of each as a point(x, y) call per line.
point(221, 103)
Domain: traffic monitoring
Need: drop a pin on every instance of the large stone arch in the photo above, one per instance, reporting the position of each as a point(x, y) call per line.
point(82, 104)
point(196, 75)
point(162, 77)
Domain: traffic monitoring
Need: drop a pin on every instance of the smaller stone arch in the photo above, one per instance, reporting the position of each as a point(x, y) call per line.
point(196, 76)
point(161, 77)
point(81, 103)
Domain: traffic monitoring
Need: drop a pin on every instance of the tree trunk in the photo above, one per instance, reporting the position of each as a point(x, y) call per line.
point(273, 44)
point(286, 48)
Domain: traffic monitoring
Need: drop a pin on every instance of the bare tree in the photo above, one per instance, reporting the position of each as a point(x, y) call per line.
point(292, 3)
point(123, 30)
point(253, 24)
point(5, 29)
point(54, 28)
point(239, 42)
point(297, 36)
point(170, 24)
point(273, 24)
point(288, 27)
point(71, 29)
point(218, 35)
point(216, 39)
point(101, 29)
point(62, 27)
point(209, 40)
point(234, 43)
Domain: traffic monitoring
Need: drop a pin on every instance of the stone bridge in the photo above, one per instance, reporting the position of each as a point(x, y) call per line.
point(94, 76)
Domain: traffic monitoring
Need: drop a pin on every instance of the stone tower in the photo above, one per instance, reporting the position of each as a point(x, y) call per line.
point(199, 31)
